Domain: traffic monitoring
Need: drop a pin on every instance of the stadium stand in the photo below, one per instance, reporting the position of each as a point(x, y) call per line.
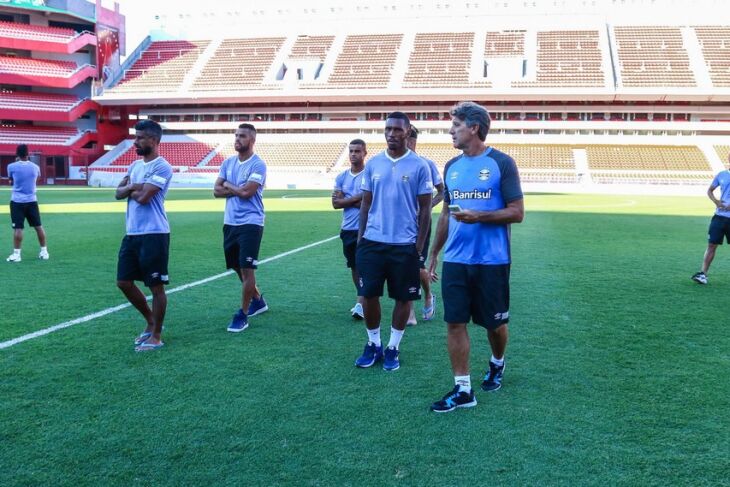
point(567, 59)
point(43, 72)
point(185, 154)
point(723, 151)
point(542, 163)
point(41, 37)
point(239, 64)
point(516, 67)
point(36, 32)
point(30, 100)
point(438, 153)
point(292, 156)
point(43, 67)
point(311, 47)
point(504, 44)
point(648, 164)
point(366, 61)
point(162, 67)
point(651, 158)
point(715, 43)
point(40, 135)
point(441, 60)
point(652, 56)
point(533, 156)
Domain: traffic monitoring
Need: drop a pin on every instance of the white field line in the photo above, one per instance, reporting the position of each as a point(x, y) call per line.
point(114, 309)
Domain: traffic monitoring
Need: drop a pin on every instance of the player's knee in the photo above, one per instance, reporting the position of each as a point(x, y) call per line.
point(125, 285)
point(157, 291)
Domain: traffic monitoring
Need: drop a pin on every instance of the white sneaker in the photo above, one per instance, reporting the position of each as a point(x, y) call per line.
point(44, 255)
point(13, 258)
point(357, 312)
point(412, 319)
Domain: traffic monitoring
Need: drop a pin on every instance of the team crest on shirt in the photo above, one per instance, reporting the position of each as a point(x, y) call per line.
point(484, 174)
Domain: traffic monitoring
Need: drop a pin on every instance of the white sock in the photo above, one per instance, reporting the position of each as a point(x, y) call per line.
point(395, 337)
point(16, 251)
point(464, 382)
point(497, 362)
point(374, 336)
point(44, 249)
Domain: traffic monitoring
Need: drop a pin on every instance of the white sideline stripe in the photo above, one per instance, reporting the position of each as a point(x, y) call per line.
point(104, 312)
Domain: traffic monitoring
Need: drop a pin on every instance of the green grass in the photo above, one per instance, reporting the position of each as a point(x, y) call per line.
point(617, 368)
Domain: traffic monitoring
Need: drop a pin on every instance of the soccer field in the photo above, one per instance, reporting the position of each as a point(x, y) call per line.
point(617, 364)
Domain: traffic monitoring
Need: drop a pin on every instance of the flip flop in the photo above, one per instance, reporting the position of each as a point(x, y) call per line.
point(148, 347)
point(431, 310)
point(142, 338)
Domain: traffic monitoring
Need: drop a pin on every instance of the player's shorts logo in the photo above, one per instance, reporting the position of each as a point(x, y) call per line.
point(405, 178)
point(484, 174)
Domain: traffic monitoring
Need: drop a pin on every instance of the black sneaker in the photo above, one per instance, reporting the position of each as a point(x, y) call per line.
point(455, 399)
point(493, 379)
point(700, 278)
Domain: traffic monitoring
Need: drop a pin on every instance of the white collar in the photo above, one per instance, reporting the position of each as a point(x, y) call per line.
point(244, 162)
point(148, 163)
point(408, 151)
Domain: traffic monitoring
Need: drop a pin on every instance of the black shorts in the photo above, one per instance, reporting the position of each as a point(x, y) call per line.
point(19, 212)
point(349, 245)
point(144, 258)
point(719, 228)
point(398, 264)
point(476, 292)
point(241, 244)
point(424, 252)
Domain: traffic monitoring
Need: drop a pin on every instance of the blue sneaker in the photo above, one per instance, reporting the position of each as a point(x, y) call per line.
point(257, 306)
point(455, 399)
point(238, 323)
point(493, 378)
point(390, 360)
point(370, 355)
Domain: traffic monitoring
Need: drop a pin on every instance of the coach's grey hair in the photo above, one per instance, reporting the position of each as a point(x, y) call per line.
point(473, 114)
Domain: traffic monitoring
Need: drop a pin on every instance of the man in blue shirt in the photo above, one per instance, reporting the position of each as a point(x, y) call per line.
point(394, 215)
point(241, 182)
point(24, 203)
point(145, 249)
point(347, 196)
point(483, 197)
point(429, 300)
point(720, 223)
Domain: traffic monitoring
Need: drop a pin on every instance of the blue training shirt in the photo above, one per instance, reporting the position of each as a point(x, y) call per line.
point(24, 175)
point(722, 179)
point(149, 218)
point(486, 182)
point(244, 211)
point(395, 185)
point(350, 184)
